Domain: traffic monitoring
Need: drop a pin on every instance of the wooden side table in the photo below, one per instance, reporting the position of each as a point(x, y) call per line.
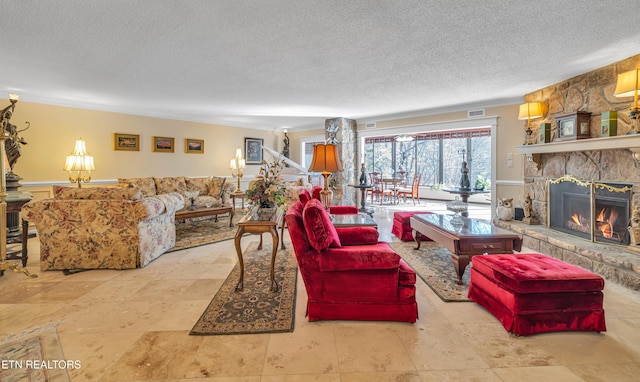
point(257, 222)
point(240, 195)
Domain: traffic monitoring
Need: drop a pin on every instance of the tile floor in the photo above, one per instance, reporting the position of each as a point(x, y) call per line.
point(133, 326)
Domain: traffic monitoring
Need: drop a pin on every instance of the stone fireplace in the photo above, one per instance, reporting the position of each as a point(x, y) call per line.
point(598, 212)
point(603, 159)
point(609, 164)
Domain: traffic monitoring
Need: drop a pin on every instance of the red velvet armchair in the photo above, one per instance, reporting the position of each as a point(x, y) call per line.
point(305, 196)
point(347, 273)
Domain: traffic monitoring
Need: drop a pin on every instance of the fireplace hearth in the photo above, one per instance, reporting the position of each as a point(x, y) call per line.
point(599, 212)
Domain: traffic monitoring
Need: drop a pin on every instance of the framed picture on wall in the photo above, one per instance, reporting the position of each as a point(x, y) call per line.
point(126, 142)
point(253, 150)
point(163, 145)
point(194, 146)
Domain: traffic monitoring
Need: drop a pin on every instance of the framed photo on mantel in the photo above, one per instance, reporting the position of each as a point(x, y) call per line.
point(574, 126)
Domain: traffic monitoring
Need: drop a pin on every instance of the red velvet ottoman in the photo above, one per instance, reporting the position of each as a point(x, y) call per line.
point(535, 293)
point(402, 227)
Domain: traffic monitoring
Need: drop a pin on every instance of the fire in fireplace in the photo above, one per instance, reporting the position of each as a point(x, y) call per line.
point(599, 212)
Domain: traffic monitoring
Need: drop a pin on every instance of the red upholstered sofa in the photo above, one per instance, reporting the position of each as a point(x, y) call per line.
point(347, 273)
point(305, 196)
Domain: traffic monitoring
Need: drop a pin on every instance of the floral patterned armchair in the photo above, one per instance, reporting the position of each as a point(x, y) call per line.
point(100, 227)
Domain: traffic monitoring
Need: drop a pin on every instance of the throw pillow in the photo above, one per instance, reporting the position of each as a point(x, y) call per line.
point(171, 184)
point(321, 232)
point(216, 187)
point(198, 184)
point(146, 185)
point(304, 196)
point(315, 192)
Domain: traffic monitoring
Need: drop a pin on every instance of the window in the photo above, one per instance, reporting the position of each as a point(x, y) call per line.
point(307, 152)
point(437, 157)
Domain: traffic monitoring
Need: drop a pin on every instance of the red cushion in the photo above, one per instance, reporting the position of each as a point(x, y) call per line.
point(304, 196)
point(358, 235)
point(343, 210)
point(321, 232)
point(536, 273)
point(403, 217)
point(315, 192)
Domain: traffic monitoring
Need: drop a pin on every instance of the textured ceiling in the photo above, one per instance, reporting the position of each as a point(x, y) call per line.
point(292, 64)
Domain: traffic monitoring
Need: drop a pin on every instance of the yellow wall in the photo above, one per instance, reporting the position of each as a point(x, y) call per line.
point(54, 130)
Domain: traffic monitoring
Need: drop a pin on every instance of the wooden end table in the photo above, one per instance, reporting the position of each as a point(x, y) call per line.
point(199, 212)
point(258, 221)
point(473, 237)
point(240, 195)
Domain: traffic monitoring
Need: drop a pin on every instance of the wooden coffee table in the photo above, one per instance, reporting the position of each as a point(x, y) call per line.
point(473, 237)
point(199, 212)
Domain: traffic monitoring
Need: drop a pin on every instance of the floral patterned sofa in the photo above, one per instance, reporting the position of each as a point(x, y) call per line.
point(213, 191)
point(99, 227)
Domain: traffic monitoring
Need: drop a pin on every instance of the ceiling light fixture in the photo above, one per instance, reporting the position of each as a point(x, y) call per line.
point(404, 138)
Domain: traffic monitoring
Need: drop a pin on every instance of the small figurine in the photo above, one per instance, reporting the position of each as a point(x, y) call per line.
point(505, 210)
point(527, 208)
point(465, 183)
point(363, 175)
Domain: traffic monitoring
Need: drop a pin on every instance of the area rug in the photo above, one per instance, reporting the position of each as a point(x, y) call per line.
point(194, 233)
point(34, 355)
point(255, 309)
point(432, 262)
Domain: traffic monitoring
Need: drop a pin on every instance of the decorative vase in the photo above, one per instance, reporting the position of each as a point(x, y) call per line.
point(267, 204)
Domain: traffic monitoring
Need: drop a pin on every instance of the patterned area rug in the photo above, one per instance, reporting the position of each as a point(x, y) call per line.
point(432, 262)
point(34, 355)
point(255, 309)
point(193, 233)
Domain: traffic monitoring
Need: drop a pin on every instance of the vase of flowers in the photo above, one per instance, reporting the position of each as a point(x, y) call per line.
point(267, 190)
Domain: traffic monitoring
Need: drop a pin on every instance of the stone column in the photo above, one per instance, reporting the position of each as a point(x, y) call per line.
point(343, 132)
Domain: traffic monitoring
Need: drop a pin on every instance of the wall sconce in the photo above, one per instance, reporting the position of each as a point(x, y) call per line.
point(325, 160)
point(628, 85)
point(529, 111)
point(237, 166)
point(77, 162)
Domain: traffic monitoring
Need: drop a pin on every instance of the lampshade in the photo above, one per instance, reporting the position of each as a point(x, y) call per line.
point(628, 84)
point(325, 158)
point(79, 163)
point(79, 159)
point(530, 110)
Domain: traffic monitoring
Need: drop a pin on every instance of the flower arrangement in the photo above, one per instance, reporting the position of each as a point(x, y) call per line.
point(267, 190)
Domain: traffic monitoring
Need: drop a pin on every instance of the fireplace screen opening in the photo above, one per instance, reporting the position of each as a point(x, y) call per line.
point(594, 211)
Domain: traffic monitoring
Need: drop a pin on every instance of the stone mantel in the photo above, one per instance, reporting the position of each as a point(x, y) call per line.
point(533, 152)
